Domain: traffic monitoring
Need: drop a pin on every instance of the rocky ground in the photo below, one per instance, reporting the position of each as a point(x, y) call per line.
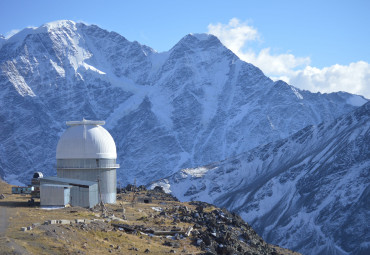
point(141, 222)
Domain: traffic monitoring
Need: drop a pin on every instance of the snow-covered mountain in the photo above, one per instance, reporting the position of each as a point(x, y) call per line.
point(309, 192)
point(195, 104)
point(2, 39)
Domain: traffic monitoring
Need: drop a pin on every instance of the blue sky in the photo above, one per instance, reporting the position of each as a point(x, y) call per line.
point(312, 44)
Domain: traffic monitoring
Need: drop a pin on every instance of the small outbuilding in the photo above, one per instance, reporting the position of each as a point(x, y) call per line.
point(82, 193)
point(22, 190)
point(55, 195)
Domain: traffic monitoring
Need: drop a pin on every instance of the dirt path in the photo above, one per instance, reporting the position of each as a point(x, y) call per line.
point(7, 245)
point(3, 220)
point(3, 226)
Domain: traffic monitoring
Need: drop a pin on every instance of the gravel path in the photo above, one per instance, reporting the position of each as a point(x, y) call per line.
point(4, 241)
point(3, 220)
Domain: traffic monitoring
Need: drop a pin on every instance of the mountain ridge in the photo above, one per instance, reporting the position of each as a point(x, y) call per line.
point(194, 104)
point(307, 192)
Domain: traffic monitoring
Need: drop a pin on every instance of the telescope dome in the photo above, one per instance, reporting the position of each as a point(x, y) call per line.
point(86, 139)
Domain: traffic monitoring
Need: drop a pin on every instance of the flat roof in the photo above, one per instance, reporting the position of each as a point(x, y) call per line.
point(69, 181)
point(56, 185)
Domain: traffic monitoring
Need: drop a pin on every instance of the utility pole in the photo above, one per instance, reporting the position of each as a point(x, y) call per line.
point(134, 196)
point(102, 206)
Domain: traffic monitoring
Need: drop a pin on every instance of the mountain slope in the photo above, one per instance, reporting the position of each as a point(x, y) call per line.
point(195, 104)
point(308, 192)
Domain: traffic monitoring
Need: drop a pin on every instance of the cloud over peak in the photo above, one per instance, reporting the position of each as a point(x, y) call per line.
point(237, 36)
point(353, 78)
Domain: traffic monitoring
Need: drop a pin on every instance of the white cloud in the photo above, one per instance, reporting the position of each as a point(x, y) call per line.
point(353, 78)
point(234, 35)
point(237, 36)
point(272, 65)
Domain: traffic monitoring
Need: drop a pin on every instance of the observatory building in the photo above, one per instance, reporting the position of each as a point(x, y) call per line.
point(86, 155)
point(86, 151)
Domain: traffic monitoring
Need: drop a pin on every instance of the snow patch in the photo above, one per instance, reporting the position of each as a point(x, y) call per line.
point(89, 67)
point(59, 24)
point(202, 36)
point(296, 92)
point(18, 81)
point(356, 100)
point(161, 107)
point(164, 183)
point(271, 125)
point(58, 68)
point(196, 172)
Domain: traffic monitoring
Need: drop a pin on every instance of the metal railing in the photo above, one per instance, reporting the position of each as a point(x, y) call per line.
point(86, 163)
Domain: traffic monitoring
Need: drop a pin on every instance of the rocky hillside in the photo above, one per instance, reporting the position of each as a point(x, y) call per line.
point(194, 104)
point(308, 192)
point(161, 225)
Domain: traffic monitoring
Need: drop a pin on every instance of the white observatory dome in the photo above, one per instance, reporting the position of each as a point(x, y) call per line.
point(86, 139)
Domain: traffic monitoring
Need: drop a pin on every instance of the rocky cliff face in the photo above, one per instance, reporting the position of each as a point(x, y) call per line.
point(308, 192)
point(195, 104)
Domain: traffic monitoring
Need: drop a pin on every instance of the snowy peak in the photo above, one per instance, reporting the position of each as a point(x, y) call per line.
point(2, 40)
point(48, 27)
point(205, 103)
point(202, 42)
point(60, 24)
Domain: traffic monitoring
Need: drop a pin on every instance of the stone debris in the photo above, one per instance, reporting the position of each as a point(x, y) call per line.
point(36, 225)
point(157, 209)
point(213, 230)
point(217, 231)
point(64, 222)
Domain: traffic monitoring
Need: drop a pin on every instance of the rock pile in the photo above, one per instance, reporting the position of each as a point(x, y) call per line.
point(218, 231)
point(158, 194)
point(131, 188)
